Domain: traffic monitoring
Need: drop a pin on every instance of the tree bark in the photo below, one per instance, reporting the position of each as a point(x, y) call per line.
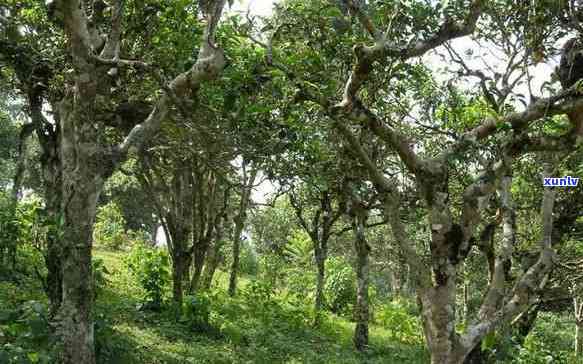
point(180, 264)
point(211, 267)
point(52, 257)
point(248, 182)
point(76, 308)
point(362, 277)
point(320, 256)
point(438, 316)
point(214, 257)
point(154, 234)
point(85, 165)
point(200, 253)
point(236, 255)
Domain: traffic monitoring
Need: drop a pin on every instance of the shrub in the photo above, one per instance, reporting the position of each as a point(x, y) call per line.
point(25, 335)
point(260, 295)
point(22, 226)
point(150, 266)
point(300, 285)
point(109, 230)
point(9, 229)
point(403, 325)
point(99, 276)
point(272, 269)
point(196, 312)
point(550, 341)
point(340, 289)
point(248, 260)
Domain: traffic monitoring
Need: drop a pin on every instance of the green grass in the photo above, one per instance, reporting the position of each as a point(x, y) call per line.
point(245, 329)
point(243, 335)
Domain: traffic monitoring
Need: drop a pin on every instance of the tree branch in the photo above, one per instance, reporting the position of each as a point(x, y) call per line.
point(367, 55)
point(536, 110)
point(359, 113)
point(522, 294)
point(111, 49)
point(210, 63)
point(356, 10)
point(77, 31)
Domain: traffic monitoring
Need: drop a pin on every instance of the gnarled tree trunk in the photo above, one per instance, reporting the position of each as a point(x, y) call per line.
point(54, 281)
point(180, 264)
point(361, 310)
point(236, 253)
point(320, 255)
point(215, 255)
point(248, 181)
point(200, 253)
point(85, 165)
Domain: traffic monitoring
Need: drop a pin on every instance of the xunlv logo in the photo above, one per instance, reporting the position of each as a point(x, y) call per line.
point(563, 181)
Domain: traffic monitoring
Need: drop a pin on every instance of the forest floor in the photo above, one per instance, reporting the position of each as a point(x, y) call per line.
point(254, 327)
point(246, 335)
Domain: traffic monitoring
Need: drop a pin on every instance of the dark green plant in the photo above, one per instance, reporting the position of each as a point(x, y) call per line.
point(99, 276)
point(404, 325)
point(109, 229)
point(340, 289)
point(150, 266)
point(25, 335)
point(248, 261)
point(196, 312)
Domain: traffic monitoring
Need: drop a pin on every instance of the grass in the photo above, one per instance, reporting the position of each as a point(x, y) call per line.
point(245, 333)
point(245, 329)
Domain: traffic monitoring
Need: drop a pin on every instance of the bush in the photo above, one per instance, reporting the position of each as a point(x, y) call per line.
point(272, 269)
point(340, 289)
point(24, 334)
point(550, 341)
point(260, 295)
point(24, 228)
point(109, 230)
point(151, 268)
point(196, 312)
point(404, 326)
point(300, 285)
point(248, 260)
point(9, 229)
point(99, 276)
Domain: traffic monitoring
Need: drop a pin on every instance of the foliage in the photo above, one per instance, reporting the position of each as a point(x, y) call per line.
point(135, 203)
point(24, 334)
point(9, 227)
point(260, 292)
point(299, 248)
point(403, 325)
point(340, 289)
point(277, 104)
point(549, 342)
point(150, 266)
point(248, 263)
point(196, 312)
point(272, 268)
point(109, 229)
point(99, 276)
point(271, 228)
point(24, 230)
point(8, 148)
